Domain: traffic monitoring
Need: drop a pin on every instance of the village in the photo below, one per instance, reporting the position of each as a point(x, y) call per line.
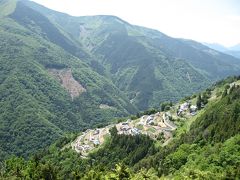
point(157, 126)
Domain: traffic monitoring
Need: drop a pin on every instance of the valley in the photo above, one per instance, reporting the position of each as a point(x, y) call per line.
point(95, 97)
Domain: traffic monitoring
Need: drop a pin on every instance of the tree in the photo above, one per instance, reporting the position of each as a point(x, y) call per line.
point(199, 101)
point(165, 106)
point(122, 172)
point(113, 131)
point(204, 99)
point(160, 137)
point(224, 93)
point(232, 89)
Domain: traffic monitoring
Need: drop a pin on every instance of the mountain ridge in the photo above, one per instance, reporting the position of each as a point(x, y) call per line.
point(123, 69)
point(233, 51)
point(35, 108)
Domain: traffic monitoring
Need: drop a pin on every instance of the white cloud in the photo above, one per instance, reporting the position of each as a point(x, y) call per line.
point(201, 20)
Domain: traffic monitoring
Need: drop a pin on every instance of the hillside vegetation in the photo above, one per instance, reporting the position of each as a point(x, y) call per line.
point(35, 108)
point(61, 75)
point(147, 65)
point(208, 149)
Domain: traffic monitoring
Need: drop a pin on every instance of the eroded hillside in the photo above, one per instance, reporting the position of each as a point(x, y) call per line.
point(65, 77)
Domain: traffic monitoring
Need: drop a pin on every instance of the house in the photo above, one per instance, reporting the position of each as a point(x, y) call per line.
point(179, 112)
point(193, 108)
point(124, 123)
point(96, 142)
point(150, 120)
point(83, 147)
point(125, 128)
point(184, 106)
point(135, 131)
point(96, 132)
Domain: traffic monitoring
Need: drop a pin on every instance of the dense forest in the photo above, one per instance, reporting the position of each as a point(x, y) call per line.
point(210, 149)
point(35, 108)
point(148, 66)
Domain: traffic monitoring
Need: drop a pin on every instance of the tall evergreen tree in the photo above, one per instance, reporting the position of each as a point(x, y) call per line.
point(199, 101)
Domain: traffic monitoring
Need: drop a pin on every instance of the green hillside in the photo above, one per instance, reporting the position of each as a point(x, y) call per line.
point(35, 108)
point(208, 149)
point(61, 74)
point(147, 65)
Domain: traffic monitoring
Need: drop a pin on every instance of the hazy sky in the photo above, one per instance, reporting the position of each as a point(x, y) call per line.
point(213, 21)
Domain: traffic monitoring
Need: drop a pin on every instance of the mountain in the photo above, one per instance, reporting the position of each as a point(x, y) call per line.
point(216, 46)
point(204, 146)
point(233, 51)
point(141, 61)
point(46, 91)
point(62, 74)
point(235, 48)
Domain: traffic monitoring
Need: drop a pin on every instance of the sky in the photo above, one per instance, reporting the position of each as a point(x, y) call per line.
point(212, 21)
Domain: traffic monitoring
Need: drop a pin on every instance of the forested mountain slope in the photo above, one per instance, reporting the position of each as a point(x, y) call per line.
point(234, 51)
point(61, 74)
point(36, 108)
point(146, 64)
point(205, 146)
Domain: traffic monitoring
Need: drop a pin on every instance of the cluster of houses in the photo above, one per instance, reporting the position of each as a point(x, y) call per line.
point(126, 129)
point(151, 125)
point(87, 141)
point(84, 148)
point(186, 106)
point(160, 122)
point(79, 146)
point(150, 120)
point(95, 138)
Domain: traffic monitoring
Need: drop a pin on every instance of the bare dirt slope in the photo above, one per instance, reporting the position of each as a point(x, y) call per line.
point(64, 76)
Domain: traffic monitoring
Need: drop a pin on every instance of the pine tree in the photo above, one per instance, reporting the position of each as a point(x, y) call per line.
point(199, 101)
point(224, 93)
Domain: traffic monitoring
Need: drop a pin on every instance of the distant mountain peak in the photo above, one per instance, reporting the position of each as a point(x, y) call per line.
point(235, 47)
point(216, 46)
